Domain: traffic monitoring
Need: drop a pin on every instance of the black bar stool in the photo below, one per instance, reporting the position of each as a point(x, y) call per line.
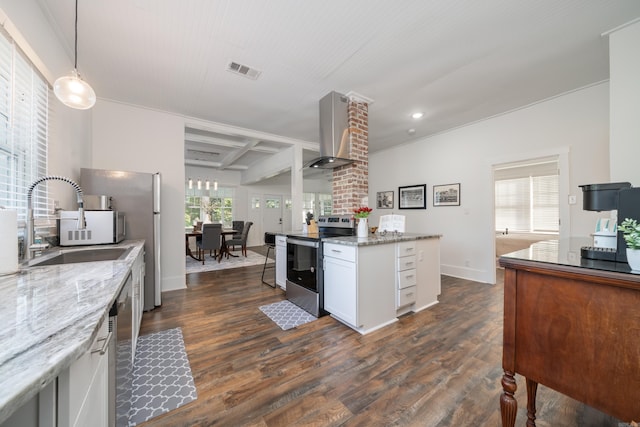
point(270, 241)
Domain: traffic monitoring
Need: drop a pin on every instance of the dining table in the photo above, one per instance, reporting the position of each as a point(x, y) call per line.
point(224, 249)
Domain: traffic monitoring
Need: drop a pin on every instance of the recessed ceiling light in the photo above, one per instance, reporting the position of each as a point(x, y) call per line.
point(417, 115)
point(411, 131)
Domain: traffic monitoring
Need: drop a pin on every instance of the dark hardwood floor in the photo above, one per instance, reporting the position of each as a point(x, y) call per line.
point(439, 367)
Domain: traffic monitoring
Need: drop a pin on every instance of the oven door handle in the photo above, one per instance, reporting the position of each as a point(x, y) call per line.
point(303, 243)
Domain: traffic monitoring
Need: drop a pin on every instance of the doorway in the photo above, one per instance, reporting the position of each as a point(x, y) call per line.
point(527, 206)
point(272, 213)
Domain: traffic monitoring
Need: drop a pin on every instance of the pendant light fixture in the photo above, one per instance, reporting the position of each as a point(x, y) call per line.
point(71, 90)
point(206, 185)
point(199, 184)
point(215, 185)
point(190, 184)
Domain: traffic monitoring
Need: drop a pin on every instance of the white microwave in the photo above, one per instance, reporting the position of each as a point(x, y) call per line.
point(102, 227)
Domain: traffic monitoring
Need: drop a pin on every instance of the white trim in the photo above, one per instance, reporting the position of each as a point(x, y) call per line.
point(10, 28)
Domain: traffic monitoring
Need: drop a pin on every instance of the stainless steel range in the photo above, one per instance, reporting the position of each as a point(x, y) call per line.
point(305, 286)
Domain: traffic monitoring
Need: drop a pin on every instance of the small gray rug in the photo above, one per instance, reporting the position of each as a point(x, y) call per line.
point(211, 264)
point(286, 314)
point(162, 378)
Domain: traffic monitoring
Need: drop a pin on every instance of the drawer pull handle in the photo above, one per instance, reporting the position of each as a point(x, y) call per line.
point(408, 263)
point(409, 294)
point(408, 276)
point(336, 251)
point(105, 344)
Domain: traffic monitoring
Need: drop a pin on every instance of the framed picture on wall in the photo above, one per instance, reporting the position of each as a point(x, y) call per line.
point(412, 197)
point(384, 200)
point(446, 195)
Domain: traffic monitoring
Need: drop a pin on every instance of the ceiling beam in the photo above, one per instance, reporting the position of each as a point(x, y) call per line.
point(214, 165)
point(227, 143)
point(235, 155)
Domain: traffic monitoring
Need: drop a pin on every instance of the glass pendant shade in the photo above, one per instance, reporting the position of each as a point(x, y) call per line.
point(215, 185)
point(74, 92)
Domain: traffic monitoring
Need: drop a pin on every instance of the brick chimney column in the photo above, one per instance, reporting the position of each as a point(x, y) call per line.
point(351, 182)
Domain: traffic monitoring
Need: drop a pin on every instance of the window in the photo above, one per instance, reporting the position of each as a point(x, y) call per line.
point(319, 204)
point(209, 206)
point(24, 115)
point(527, 197)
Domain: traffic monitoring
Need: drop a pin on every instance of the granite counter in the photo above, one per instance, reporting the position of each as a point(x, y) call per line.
point(379, 239)
point(49, 318)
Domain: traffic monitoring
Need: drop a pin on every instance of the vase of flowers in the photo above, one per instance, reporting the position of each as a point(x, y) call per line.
point(631, 234)
point(362, 213)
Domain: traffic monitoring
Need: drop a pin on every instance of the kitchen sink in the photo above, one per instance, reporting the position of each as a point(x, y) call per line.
point(81, 255)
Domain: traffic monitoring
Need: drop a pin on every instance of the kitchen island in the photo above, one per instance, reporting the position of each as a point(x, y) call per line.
point(50, 317)
point(370, 281)
point(571, 324)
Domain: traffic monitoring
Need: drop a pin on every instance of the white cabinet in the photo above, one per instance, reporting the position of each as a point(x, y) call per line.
point(137, 300)
point(83, 388)
point(359, 285)
point(281, 261)
point(428, 272)
point(340, 283)
point(406, 273)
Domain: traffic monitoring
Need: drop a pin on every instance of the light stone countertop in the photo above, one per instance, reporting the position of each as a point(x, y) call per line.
point(378, 239)
point(49, 316)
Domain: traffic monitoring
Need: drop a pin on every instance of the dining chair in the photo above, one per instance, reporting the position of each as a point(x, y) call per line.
point(242, 241)
point(211, 240)
point(238, 226)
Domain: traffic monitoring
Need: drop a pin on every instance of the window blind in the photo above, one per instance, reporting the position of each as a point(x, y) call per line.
point(24, 115)
point(527, 196)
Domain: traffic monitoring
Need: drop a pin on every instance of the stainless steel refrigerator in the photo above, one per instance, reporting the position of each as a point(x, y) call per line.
point(137, 194)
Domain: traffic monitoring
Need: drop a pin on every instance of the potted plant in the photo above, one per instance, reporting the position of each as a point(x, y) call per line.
point(362, 213)
point(631, 234)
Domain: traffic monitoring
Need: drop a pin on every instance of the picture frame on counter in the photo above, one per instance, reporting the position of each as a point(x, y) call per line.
point(384, 200)
point(412, 197)
point(446, 195)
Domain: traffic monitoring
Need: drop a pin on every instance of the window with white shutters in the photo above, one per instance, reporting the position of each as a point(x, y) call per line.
point(527, 196)
point(24, 115)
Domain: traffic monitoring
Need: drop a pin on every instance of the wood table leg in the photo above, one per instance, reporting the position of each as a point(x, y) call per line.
point(508, 403)
point(532, 389)
point(188, 249)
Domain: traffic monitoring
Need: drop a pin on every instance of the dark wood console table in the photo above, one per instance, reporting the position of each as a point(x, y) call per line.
point(572, 325)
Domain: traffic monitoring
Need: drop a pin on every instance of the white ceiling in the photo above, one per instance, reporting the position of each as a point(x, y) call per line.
point(457, 61)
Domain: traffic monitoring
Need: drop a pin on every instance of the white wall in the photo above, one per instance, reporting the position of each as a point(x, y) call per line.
point(136, 139)
point(576, 122)
point(624, 53)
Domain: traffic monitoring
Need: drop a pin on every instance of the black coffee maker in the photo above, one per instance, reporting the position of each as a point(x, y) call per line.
point(618, 196)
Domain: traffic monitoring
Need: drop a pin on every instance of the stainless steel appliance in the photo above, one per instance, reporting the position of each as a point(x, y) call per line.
point(335, 146)
point(305, 278)
point(138, 195)
point(102, 227)
point(619, 196)
point(120, 361)
point(97, 202)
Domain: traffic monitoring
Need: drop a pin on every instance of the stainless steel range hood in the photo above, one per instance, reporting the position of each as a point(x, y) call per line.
point(334, 133)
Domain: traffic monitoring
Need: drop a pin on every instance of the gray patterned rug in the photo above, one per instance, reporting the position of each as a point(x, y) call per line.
point(162, 378)
point(211, 264)
point(286, 314)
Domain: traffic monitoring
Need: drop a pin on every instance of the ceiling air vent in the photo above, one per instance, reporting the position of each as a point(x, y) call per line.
point(244, 70)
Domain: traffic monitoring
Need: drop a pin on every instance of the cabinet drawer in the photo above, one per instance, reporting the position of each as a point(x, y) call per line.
point(344, 252)
point(406, 296)
point(406, 262)
point(406, 248)
point(406, 278)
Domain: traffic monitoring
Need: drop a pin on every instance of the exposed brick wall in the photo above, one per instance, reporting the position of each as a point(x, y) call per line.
point(351, 182)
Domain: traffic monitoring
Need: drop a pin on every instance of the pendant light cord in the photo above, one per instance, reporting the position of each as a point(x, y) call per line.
point(75, 64)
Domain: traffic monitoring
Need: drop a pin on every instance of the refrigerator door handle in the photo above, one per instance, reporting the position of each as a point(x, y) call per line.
point(156, 254)
point(157, 183)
